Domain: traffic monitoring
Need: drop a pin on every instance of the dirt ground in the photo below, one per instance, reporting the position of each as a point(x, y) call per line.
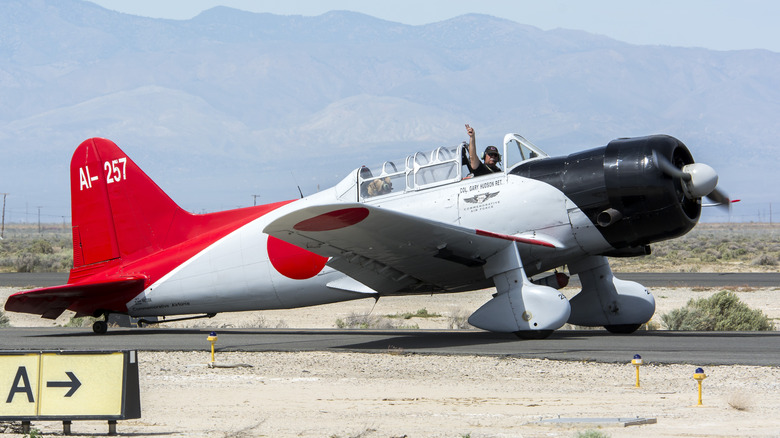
point(394, 394)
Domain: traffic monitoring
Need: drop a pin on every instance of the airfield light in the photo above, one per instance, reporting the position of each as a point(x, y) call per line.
point(213, 339)
point(637, 362)
point(699, 376)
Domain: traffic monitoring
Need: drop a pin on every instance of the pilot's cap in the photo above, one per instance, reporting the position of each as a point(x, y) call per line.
point(491, 150)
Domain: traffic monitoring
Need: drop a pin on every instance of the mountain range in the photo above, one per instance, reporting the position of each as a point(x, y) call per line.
point(231, 104)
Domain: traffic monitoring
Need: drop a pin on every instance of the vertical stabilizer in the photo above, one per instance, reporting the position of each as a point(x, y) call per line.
point(118, 211)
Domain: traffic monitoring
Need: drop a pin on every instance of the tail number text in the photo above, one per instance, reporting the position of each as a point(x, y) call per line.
point(116, 170)
point(115, 173)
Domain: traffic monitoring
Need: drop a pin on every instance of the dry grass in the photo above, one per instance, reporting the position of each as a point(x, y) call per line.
point(458, 319)
point(738, 247)
point(723, 311)
point(366, 321)
point(25, 248)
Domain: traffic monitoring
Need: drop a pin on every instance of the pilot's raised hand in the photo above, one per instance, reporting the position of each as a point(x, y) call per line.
point(473, 159)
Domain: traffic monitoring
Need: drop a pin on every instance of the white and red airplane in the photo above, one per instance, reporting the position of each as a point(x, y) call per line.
point(418, 225)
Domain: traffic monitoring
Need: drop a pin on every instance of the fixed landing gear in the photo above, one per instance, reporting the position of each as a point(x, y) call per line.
point(529, 310)
point(100, 326)
point(619, 306)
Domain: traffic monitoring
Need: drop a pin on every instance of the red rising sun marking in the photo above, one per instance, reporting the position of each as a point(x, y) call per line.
point(292, 261)
point(333, 220)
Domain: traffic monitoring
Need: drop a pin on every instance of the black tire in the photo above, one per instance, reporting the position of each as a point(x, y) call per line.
point(100, 327)
point(622, 329)
point(533, 334)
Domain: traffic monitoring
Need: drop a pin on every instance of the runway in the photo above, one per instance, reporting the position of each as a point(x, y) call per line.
point(663, 347)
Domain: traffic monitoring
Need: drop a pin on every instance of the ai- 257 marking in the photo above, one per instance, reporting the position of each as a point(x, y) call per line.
point(116, 170)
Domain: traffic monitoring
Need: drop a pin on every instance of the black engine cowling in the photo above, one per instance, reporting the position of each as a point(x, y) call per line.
point(622, 190)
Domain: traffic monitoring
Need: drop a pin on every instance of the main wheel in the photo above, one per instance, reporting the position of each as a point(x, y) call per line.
point(622, 329)
point(100, 327)
point(533, 334)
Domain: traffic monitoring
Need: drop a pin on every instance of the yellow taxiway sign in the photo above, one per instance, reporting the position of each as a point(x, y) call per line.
point(69, 385)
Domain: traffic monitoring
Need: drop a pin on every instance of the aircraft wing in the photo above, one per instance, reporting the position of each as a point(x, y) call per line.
point(83, 298)
point(390, 251)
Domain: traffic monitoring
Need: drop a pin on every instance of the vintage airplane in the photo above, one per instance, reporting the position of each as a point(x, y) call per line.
point(418, 225)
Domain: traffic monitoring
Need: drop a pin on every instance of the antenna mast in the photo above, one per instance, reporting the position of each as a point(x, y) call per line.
point(2, 228)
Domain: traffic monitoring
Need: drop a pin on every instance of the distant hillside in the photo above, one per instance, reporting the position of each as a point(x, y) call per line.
point(231, 103)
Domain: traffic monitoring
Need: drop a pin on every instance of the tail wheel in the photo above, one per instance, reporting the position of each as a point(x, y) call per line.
point(100, 327)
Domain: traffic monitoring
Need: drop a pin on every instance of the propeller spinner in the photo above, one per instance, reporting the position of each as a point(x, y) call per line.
point(698, 180)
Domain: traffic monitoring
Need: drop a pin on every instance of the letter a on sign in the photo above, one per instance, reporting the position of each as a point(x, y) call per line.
point(21, 376)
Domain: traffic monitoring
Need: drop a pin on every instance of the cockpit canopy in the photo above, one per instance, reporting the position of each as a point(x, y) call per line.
point(423, 170)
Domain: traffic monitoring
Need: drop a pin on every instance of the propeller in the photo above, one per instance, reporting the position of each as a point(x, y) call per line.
point(698, 180)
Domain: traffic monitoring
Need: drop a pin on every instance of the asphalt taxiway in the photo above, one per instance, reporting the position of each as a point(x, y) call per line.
point(660, 346)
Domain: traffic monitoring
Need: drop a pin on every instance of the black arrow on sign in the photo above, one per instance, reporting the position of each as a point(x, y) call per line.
point(74, 384)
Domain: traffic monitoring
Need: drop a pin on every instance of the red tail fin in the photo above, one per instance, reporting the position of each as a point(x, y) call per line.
point(118, 211)
point(120, 216)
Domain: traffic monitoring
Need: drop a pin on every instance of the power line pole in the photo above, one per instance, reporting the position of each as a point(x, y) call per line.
point(255, 199)
point(2, 228)
point(39, 219)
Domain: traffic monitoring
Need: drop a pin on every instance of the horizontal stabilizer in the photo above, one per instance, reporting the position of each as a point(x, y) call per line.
point(50, 302)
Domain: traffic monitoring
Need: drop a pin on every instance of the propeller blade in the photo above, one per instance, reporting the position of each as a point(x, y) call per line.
point(720, 198)
point(668, 168)
point(698, 179)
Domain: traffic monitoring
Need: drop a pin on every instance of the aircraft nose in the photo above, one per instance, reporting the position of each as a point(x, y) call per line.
point(633, 190)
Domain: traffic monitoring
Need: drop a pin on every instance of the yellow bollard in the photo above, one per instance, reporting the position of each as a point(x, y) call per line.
point(699, 376)
point(213, 339)
point(637, 361)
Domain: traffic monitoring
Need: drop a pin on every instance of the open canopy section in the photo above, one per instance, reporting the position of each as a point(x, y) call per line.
point(517, 150)
point(423, 170)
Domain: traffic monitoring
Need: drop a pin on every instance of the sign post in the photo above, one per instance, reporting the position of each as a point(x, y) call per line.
point(67, 386)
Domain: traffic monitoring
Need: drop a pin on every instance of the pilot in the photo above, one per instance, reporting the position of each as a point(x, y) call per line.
point(380, 186)
point(490, 158)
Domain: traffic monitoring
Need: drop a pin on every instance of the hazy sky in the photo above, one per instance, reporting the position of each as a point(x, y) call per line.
point(714, 24)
